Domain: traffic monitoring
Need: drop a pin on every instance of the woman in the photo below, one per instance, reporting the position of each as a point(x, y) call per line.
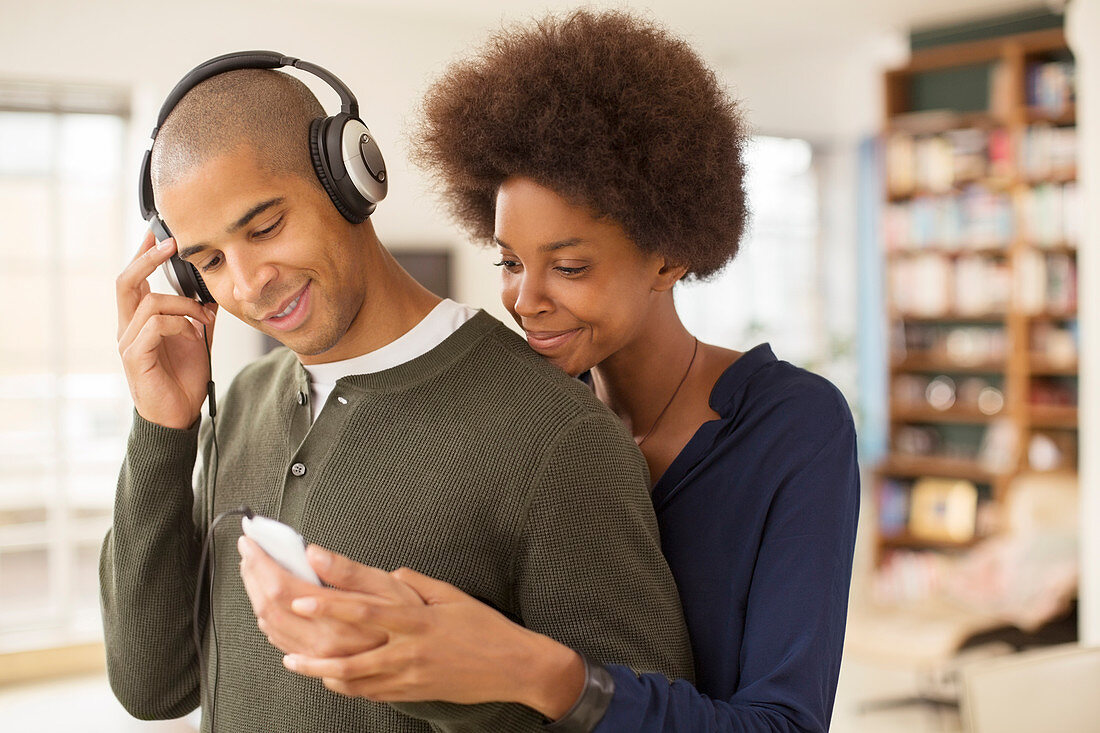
point(605, 162)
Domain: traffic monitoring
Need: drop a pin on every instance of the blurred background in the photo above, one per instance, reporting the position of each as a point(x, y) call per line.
point(920, 236)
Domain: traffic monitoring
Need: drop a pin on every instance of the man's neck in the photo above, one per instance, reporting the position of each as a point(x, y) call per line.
point(393, 304)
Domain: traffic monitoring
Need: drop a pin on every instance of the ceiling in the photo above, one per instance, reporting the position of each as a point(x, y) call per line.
point(734, 30)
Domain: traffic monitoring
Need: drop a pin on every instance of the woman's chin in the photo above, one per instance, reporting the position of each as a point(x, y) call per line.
point(574, 367)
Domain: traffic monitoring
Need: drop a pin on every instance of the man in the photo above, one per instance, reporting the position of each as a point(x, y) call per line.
point(394, 428)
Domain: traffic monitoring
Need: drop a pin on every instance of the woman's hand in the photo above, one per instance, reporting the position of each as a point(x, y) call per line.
point(444, 645)
point(272, 589)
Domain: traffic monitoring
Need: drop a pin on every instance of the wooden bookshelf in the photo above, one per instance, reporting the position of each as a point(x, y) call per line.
point(980, 253)
point(917, 362)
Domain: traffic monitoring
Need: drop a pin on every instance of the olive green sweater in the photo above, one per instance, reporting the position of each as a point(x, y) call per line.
point(478, 463)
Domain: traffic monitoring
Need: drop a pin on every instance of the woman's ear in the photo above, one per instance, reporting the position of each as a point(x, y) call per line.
point(669, 274)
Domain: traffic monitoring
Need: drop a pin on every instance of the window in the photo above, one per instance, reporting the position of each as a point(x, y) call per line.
point(64, 401)
point(776, 288)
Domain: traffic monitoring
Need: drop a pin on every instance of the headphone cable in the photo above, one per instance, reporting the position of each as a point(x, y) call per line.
point(209, 550)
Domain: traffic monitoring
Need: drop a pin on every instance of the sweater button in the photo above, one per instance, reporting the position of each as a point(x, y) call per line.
point(298, 469)
point(301, 398)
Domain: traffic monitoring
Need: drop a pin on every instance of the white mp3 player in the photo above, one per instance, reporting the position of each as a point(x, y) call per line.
point(282, 543)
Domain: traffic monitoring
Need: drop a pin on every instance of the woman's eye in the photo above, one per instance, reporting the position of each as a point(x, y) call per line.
point(571, 271)
point(212, 263)
point(509, 265)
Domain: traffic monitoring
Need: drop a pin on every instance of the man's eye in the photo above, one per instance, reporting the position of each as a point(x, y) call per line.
point(211, 263)
point(270, 229)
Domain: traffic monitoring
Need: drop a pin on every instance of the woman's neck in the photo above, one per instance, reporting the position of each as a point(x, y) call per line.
point(660, 386)
point(638, 381)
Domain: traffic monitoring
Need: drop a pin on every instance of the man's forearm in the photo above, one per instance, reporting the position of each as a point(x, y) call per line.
point(148, 570)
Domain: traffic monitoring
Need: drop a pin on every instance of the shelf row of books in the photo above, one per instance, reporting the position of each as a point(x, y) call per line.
point(991, 446)
point(945, 161)
point(941, 392)
point(931, 509)
point(931, 285)
point(962, 345)
point(1057, 342)
point(977, 218)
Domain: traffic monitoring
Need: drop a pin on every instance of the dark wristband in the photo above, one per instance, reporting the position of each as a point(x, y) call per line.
point(589, 709)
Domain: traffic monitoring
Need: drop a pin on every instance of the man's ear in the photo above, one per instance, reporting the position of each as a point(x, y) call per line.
point(669, 274)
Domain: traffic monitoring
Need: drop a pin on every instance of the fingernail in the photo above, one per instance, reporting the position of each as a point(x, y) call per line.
point(303, 605)
point(242, 547)
point(210, 313)
point(167, 244)
point(290, 661)
point(319, 557)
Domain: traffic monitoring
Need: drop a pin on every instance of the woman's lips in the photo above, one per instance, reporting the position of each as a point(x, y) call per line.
point(544, 341)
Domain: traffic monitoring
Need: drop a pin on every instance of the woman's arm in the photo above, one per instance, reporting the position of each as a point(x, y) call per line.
point(402, 636)
point(789, 661)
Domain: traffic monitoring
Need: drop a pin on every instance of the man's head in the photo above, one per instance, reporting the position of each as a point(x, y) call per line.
point(233, 180)
point(267, 110)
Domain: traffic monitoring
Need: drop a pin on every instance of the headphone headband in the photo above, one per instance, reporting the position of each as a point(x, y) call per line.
point(251, 60)
point(345, 156)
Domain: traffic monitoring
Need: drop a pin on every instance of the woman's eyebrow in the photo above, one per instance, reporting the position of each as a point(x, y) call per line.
point(549, 247)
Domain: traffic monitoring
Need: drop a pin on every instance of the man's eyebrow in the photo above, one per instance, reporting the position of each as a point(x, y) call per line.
point(549, 247)
point(253, 213)
point(236, 226)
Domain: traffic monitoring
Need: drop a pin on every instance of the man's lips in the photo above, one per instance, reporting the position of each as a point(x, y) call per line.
point(284, 308)
point(291, 312)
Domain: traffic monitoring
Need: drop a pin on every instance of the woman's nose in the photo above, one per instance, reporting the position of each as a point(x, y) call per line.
point(530, 296)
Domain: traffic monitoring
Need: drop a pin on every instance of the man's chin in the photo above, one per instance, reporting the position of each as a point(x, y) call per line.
point(313, 349)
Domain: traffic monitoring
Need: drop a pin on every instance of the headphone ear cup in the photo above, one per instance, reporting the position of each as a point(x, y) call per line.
point(200, 285)
point(322, 167)
point(186, 280)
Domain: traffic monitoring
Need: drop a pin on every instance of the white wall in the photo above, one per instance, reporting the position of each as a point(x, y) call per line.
point(386, 58)
point(1083, 30)
point(829, 95)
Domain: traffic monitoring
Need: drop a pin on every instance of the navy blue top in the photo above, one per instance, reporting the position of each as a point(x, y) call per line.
point(758, 519)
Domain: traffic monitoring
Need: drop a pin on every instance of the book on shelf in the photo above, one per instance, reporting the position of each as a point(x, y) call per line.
point(943, 509)
point(1048, 153)
point(1051, 86)
point(1046, 282)
point(1049, 215)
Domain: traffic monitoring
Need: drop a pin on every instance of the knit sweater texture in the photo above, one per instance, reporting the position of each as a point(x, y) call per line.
point(477, 463)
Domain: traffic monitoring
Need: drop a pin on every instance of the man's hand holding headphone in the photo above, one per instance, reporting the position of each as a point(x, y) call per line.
point(161, 341)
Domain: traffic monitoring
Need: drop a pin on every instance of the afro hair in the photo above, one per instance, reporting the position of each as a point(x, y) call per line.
point(607, 110)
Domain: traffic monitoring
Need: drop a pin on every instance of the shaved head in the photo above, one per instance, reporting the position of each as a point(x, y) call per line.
point(265, 110)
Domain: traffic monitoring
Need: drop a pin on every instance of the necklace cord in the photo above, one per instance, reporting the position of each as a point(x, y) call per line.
point(675, 392)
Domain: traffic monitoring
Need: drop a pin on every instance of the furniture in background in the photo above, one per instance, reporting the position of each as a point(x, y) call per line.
point(980, 231)
point(1049, 689)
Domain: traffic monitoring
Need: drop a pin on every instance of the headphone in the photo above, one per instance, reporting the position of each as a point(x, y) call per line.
point(345, 156)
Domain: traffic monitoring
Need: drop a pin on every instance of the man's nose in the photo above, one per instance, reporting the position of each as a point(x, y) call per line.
point(250, 276)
